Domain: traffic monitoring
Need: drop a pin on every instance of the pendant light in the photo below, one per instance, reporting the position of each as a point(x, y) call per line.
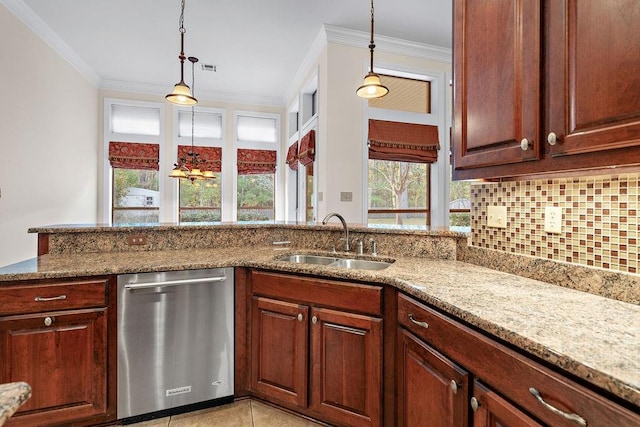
point(372, 88)
point(181, 94)
point(180, 169)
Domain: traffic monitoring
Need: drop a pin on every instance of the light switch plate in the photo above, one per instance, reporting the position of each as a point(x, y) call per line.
point(553, 219)
point(497, 216)
point(346, 196)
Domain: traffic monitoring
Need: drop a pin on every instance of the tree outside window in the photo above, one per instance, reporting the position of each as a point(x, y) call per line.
point(136, 196)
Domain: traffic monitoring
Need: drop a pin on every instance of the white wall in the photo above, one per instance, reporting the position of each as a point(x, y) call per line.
point(48, 140)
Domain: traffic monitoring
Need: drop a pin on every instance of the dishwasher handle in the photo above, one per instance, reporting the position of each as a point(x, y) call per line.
point(134, 286)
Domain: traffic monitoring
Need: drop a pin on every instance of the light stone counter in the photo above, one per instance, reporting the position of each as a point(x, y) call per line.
point(592, 337)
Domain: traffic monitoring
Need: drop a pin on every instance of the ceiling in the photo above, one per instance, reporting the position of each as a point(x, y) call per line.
point(256, 45)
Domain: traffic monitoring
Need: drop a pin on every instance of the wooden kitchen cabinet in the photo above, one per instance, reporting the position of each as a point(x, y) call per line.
point(62, 353)
point(432, 390)
point(491, 410)
point(560, 74)
point(316, 347)
point(511, 388)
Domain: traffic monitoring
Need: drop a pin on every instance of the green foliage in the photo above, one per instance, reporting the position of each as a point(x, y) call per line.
point(123, 179)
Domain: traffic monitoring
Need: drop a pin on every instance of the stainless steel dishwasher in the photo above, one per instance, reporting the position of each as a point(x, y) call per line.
point(175, 341)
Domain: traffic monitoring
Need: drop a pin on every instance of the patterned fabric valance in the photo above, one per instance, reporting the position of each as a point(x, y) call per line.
point(253, 162)
point(209, 158)
point(292, 156)
point(403, 142)
point(133, 155)
point(307, 151)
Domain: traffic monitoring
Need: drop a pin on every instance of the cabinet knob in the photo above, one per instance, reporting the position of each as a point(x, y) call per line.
point(524, 144)
point(314, 320)
point(475, 404)
point(300, 317)
point(454, 386)
point(48, 321)
point(552, 138)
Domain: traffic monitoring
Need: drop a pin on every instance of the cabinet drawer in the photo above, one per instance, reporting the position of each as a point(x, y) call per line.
point(354, 297)
point(514, 375)
point(47, 296)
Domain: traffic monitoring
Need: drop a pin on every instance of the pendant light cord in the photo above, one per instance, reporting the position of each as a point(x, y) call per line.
point(371, 44)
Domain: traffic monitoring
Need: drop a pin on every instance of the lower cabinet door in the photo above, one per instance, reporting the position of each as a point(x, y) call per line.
point(279, 350)
point(432, 390)
point(63, 356)
point(346, 368)
point(491, 410)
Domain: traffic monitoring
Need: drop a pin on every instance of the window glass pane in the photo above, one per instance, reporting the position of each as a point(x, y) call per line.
point(256, 195)
point(200, 201)
point(206, 125)
point(460, 205)
point(257, 129)
point(135, 120)
point(397, 187)
point(309, 176)
point(136, 196)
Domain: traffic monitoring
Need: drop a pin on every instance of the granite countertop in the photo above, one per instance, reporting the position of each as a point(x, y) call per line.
point(12, 396)
point(594, 338)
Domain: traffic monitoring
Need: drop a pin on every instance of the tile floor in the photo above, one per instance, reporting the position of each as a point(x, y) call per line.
point(244, 413)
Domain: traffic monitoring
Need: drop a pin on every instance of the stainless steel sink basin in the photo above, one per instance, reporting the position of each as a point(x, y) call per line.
point(308, 259)
point(350, 263)
point(361, 264)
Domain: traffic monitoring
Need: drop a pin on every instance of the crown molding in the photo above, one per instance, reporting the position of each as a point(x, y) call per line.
point(204, 95)
point(42, 30)
point(356, 38)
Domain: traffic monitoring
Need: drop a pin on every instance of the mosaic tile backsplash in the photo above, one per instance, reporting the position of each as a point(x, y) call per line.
point(600, 224)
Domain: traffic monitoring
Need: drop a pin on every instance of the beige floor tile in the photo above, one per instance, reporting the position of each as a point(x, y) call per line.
point(267, 416)
point(237, 414)
point(159, 422)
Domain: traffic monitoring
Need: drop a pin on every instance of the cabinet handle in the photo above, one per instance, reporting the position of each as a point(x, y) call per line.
point(552, 138)
point(417, 322)
point(48, 321)
point(314, 320)
point(524, 144)
point(572, 417)
point(44, 299)
point(475, 404)
point(300, 317)
point(454, 386)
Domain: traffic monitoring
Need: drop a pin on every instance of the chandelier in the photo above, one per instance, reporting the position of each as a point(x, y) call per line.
point(372, 88)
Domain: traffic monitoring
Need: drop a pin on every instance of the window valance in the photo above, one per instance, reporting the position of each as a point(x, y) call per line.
point(403, 142)
point(292, 156)
point(209, 158)
point(307, 150)
point(253, 162)
point(133, 155)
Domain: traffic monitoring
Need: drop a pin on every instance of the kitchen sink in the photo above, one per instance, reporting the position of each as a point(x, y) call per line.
point(361, 264)
point(308, 259)
point(350, 263)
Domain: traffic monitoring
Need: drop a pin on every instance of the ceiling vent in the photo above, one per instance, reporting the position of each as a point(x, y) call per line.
point(209, 67)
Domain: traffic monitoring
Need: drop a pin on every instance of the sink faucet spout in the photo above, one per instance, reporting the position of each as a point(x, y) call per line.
point(344, 226)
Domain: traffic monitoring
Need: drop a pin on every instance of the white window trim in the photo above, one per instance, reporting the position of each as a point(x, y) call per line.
point(104, 211)
point(232, 158)
point(207, 142)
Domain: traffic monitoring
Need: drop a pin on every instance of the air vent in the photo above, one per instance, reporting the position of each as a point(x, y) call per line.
point(209, 67)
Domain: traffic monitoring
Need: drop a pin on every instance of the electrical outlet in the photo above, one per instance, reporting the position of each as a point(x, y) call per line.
point(346, 196)
point(497, 216)
point(553, 219)
point(137, 239)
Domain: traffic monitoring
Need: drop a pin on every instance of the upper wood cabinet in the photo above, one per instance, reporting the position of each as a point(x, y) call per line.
point(545, 86)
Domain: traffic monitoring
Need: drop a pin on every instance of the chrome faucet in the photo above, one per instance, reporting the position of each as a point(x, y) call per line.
point(344, 225)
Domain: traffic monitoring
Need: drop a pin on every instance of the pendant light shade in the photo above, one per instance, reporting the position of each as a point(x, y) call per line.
point(372, 88)
point(181, 94)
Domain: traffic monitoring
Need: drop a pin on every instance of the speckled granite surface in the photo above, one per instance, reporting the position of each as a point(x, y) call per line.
point(595, 338)
point(12, 396)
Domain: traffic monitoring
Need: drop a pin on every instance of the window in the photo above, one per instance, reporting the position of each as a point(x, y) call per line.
point(257, 141)
point(398, 193)
point(135, 182)
point(201, 200)
point(135, 120)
